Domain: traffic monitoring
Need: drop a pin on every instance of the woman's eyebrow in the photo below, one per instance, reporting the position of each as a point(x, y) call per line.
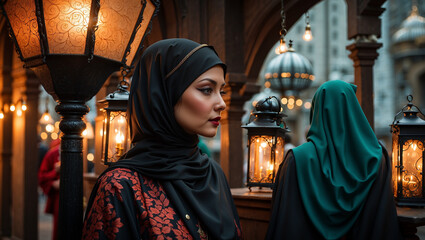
point(209, 80)
point(214, 82)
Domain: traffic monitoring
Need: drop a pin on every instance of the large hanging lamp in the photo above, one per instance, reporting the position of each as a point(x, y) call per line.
point(289, 73)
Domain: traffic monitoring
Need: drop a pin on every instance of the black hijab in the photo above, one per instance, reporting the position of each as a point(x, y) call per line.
point(163, 151)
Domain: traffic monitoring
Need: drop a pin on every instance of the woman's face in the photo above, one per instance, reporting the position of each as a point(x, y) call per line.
point(198, 110)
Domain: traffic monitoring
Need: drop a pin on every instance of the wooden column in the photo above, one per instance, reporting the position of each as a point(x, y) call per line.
point(363, 54)
point(25, 157)
point(232, 149)
point(6, 137)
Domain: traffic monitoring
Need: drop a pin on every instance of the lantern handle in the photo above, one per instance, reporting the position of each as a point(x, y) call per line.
point(408, 106)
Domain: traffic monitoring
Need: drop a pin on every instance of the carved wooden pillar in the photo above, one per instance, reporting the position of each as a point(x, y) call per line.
point(364, 26)
point(363, 53)
point(6, 138)
point(25, 157)
point(232, 151)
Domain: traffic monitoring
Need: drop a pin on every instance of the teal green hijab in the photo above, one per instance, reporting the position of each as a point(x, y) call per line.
point(340, 161)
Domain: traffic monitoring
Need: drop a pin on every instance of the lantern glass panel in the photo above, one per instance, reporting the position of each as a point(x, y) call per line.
point(147, 15)
point(280, 151)
point(118, 139)
point(66, 25)
point(412, 168)
point(116, 22)
point(21, 14)
point(395, 163)
point(262, 162)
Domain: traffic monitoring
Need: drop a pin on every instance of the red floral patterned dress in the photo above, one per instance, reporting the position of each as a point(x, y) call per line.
point(126, 209)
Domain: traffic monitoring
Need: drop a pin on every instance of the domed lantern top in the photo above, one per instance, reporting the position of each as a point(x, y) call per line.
point(289, 71)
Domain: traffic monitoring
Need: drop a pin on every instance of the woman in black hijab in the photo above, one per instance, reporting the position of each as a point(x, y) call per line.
point(164, 188)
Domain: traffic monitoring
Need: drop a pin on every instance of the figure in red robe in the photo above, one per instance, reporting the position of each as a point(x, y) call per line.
point(48, 179)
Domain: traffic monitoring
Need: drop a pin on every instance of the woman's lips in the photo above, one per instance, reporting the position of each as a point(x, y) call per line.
point(215, 121)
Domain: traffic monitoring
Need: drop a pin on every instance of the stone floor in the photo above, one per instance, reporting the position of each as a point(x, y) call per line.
point(45, 223)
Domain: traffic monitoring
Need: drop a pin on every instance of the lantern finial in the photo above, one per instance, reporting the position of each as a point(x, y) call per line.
point(410, 113)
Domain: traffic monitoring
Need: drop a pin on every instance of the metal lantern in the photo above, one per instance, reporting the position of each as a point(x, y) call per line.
point(265, 142)
point(289, 71)
point(115, 133)
point(407, 156)
point(73, 46)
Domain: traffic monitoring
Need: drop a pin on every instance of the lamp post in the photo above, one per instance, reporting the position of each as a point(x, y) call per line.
point(73, 46)
point(265, 142)
point(407, 156)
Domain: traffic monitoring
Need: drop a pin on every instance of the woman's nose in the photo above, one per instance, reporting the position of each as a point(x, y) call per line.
point(221, 105)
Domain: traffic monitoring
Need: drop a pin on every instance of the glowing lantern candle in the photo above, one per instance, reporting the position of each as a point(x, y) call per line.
point(407, 156)
point(115, 137)
point(265, 142)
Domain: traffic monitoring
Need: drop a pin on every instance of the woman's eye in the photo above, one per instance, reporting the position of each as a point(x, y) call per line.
point(206, 90)
point(222, 92)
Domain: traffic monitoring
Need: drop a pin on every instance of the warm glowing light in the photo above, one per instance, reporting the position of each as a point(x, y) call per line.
point(267, 84)
point(284, 101)
point(24, 107)
point(263, 144)
point(270, 166)
point(307, 105)
point(12, 108)
point(299, 102)
point(254, 103)
point(291, 101)
point(90, 157)
point(88, 132)
point(119, 138)
point(290, 106)
point(121, 120)
point(282, 48)
point(54, 136)
point(43, 135)
point(50, 128)
point(19, 112)
point(57, 124)
point(46, 118)
point(1, 115)
point(307, 34)
point(414, 147)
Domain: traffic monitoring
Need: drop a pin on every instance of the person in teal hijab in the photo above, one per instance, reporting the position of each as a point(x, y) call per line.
point(337, 184)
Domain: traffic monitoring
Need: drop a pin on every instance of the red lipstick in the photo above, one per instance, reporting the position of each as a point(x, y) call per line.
point(215, 121)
